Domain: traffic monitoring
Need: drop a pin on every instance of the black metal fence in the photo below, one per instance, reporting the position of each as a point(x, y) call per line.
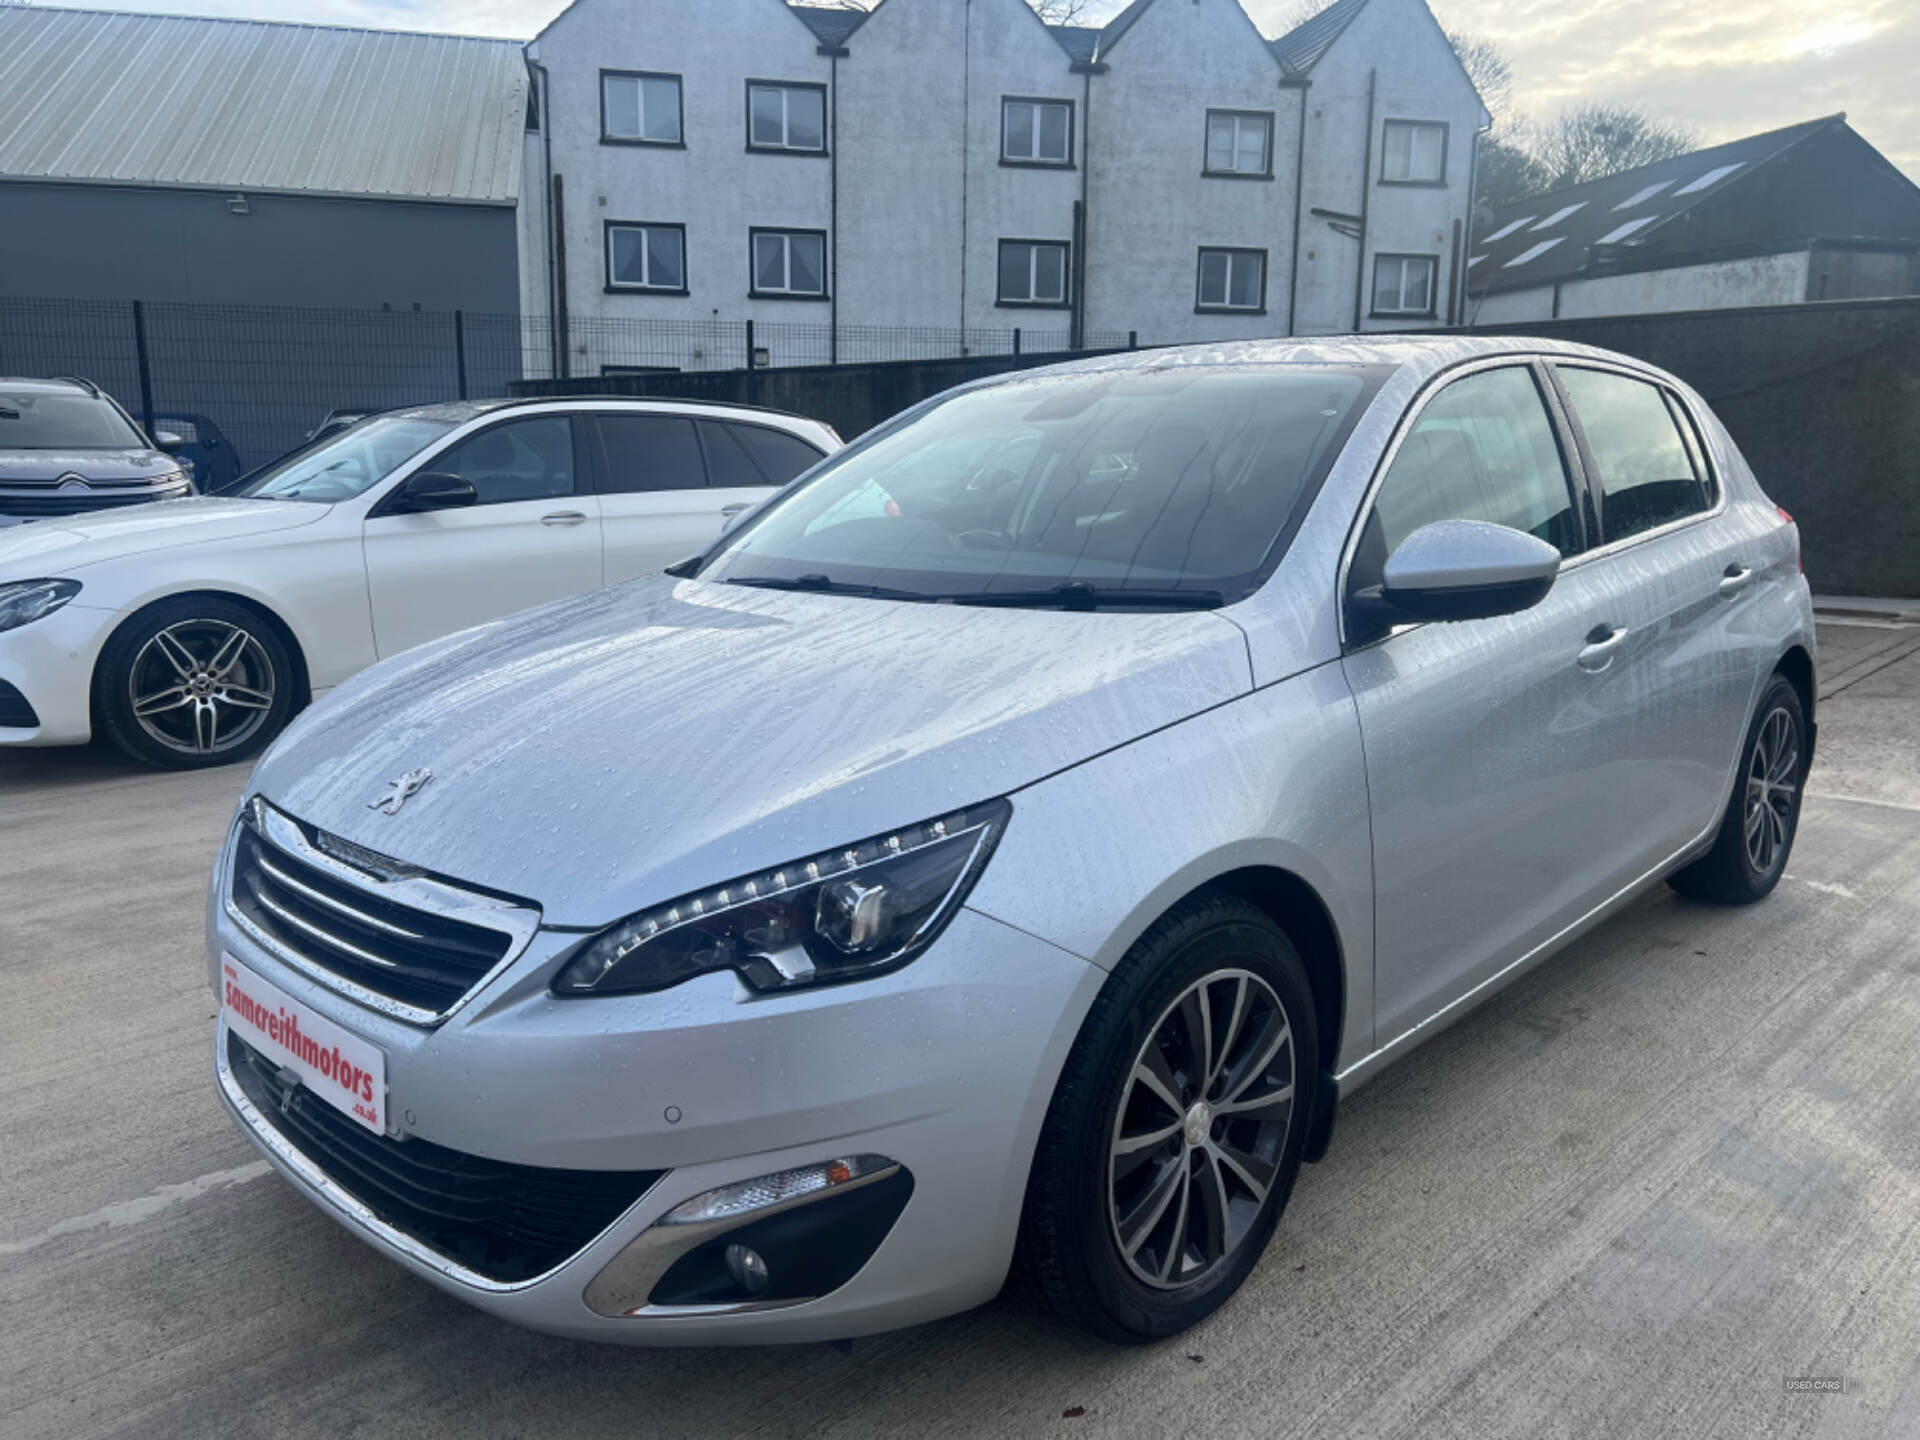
point(266, 375)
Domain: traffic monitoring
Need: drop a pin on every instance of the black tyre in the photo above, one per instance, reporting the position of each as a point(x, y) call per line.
point(1175, 1132)
point(194, 682)
point(1750, 851)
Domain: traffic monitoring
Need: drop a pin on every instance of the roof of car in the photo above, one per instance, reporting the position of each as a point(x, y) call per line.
point(1421, 354)
point(459, 411)
point(17, 383)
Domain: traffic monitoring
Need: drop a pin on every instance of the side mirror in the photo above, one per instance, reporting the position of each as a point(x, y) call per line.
point(433, 490)
point(1464, 570)
point(168, 441)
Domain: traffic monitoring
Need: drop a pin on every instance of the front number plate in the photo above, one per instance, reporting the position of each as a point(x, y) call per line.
point(335, 1064)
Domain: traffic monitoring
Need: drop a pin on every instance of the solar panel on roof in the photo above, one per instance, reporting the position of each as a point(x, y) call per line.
point(1643, 194)
point(1533, 252)
point(1719, 172)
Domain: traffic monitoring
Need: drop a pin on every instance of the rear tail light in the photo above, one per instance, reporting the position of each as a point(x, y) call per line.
point(1797, 558)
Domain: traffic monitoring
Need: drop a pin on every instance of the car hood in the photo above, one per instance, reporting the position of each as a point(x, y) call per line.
point(121, 465)
point(58, 547)
point(611, 751)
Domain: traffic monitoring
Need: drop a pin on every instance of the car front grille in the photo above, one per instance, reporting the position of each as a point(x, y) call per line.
point(16, 713)
point(384, 933)
point(15, 499)
point(507, 1223)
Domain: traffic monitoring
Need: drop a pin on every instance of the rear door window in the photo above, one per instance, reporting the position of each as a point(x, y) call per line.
point(779, 455)
point(1647, 471)
point(1482, 449)
point(641, 453)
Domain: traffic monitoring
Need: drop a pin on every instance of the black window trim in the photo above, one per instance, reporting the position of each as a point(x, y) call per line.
point(754, 292)
point(1066, 275)
point(1206, 149)
point(1446, 152)
point(614, 287)
point(801, 150)
point(1432, 311)
point(387, 504)
point(1599, 542)
point(680, 96)
point(1070, 163)
point(1200, 307)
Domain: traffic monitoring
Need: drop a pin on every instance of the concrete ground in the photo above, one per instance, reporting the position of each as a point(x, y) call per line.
point(1630, 1197)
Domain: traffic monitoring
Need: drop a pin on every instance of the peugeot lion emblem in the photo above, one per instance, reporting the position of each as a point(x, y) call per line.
point(400, 790)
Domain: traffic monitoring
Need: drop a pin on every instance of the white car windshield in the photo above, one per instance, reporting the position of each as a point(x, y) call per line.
point(1177, 486)
point(348, 462)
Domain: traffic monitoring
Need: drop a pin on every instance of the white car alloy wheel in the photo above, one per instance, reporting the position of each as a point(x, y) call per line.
point(202, 686)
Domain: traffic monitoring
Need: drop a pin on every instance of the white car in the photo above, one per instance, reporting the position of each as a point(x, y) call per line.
point(190, 631)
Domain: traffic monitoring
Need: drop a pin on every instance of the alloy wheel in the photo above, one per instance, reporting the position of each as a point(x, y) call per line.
point(1773, 780)
point(1201, 1127)
point(202, 687)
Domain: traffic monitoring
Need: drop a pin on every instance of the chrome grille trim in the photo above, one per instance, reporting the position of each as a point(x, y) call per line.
point(278, 832)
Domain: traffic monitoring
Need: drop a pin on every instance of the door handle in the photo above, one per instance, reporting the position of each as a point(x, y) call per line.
point(1603, 642)
point(729, 511)
point(1734, 579)
point(563, 517)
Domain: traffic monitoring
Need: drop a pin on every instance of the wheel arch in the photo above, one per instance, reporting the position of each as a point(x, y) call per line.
point(303, 688)
point(1797, 666)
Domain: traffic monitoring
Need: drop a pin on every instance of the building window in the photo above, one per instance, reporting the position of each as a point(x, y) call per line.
point(639, 107)
point(786, 116)
point(1403, 284)
point(1414, 153)
point(1033, 272)
point(1240, 143)
point(789, 264)
point(1036, 132)
point(1232, 280)
point(645, 256)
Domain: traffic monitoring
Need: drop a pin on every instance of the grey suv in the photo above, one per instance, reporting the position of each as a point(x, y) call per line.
point(67, 448)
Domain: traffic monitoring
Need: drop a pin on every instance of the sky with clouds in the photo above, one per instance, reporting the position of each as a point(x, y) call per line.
point(1723, 70)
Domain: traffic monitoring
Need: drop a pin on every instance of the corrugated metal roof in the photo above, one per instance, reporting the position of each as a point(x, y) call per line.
point(1552, 237)
point(114, 98)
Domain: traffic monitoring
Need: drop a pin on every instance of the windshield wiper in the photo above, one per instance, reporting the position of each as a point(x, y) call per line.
point(822, 585)
point(1079, 595)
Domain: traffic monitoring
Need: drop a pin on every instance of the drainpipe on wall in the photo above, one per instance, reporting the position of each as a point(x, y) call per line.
point(1077, 340)
point(557, 199)
point(1299, 83)
point(1366, 196)
point(834, 54)
point(1473, 192)
point(966, 136)
point(546, 200)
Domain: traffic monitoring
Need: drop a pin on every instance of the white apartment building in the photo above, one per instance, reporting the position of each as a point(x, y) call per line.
point(958, 166)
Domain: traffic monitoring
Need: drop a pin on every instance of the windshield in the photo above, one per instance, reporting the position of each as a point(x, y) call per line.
point(1174, 486)
point(64, 422)
point(348, 462)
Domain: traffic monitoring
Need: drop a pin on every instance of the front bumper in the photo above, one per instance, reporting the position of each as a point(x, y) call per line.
point(50, 661)
point(945, 1067)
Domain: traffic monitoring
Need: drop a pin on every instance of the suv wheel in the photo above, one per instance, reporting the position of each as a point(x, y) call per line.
point(194, 682)
point(1175, 1133)
point(1756, 833)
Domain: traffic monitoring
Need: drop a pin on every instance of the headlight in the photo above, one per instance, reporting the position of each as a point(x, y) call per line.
point(840, 915)
point(27, 600)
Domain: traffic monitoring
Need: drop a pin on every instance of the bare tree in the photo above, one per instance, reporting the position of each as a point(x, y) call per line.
point(1590, 142)
point(1488, 69)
